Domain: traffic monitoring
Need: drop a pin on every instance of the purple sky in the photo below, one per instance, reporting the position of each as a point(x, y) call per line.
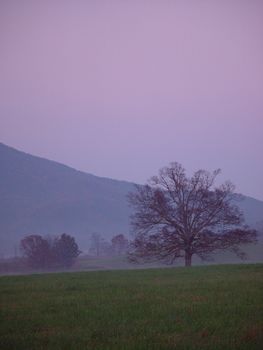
point(121, 88)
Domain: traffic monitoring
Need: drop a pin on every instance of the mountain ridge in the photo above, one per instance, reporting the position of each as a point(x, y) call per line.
point(43, 196)
point(47, 197)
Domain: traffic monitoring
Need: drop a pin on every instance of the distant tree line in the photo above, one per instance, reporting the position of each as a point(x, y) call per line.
point(45, 252)
point(49, 252)
point(116, 247)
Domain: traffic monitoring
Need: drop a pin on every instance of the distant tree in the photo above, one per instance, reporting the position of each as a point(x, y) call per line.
point(179, 216)
point(49, 251)
point(37, 250)
point(65, 250)
point(107, 249)
point(97, 242)
point(119, 244)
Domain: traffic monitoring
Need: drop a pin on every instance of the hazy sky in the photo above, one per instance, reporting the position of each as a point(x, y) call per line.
point(121, 88)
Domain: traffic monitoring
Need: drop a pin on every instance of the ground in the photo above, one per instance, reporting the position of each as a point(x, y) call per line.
point(207, 307)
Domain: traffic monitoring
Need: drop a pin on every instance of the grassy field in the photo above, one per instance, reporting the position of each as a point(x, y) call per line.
point(208, 307)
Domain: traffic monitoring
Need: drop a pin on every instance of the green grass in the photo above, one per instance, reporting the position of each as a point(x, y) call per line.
point(209, 307)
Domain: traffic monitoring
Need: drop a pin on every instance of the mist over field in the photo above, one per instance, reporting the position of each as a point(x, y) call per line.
point(43, 197)
point(50, 198)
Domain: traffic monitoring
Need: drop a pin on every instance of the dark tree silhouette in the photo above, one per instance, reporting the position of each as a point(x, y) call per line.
point(37, 250)
point(65, 250)
point(49, 252)
point(179, 216)
point(119, 244)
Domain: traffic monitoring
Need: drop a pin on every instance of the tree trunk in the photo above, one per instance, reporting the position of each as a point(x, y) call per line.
point(188, 259)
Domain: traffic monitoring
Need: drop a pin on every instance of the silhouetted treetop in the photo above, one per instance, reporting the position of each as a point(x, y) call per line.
point(179, 216)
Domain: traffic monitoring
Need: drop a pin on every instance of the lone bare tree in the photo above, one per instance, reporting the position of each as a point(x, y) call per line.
point(178, 216)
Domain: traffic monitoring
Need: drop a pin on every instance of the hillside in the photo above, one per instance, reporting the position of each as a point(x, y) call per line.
point(45, 197)
point(42, 196)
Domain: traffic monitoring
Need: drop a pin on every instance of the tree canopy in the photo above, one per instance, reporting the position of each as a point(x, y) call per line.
point(176, 216)
point(48, 252)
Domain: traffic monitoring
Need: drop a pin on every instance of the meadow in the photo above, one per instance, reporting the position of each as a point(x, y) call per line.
point(206, 307)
